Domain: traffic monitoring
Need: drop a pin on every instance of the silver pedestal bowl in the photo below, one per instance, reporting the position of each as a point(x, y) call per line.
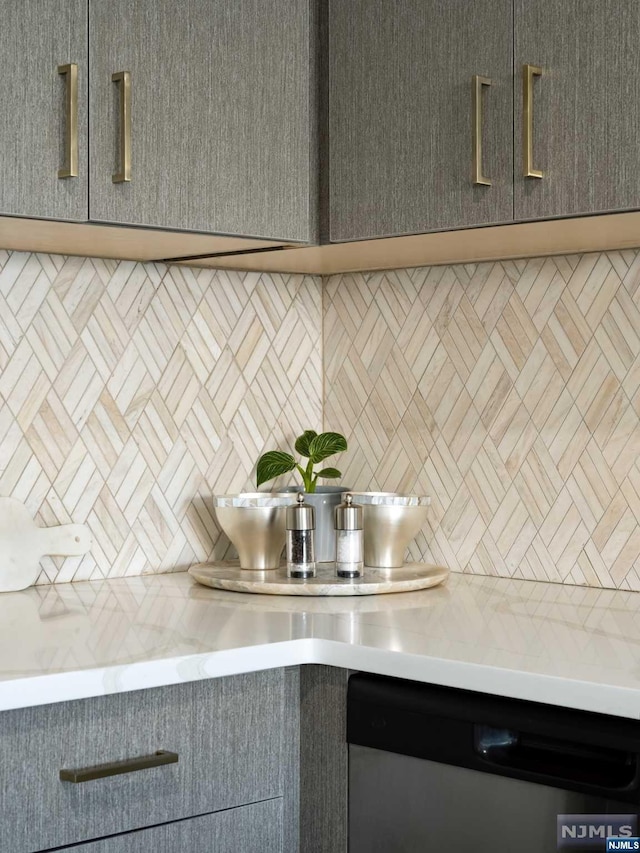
point(255, 524)
point(391, 522)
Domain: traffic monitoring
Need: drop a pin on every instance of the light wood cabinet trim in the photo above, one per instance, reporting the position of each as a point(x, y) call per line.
point(502, 242)
point(113, 241)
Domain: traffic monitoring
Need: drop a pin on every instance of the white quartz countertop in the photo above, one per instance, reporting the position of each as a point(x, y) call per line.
point(563, 645)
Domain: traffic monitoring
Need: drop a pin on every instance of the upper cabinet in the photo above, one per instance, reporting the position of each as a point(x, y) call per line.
point(583, 88)
point(201, 115)
point(43, 109)
point(249, 118)
point(413, 124)
point(421, 107)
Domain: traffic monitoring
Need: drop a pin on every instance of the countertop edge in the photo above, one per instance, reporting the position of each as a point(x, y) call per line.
point(29, 691)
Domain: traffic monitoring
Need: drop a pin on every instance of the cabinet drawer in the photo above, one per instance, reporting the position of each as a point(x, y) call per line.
point(249, 829)
point(226, 732)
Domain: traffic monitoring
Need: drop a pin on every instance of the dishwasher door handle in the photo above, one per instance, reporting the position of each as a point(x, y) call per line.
point(545, 759)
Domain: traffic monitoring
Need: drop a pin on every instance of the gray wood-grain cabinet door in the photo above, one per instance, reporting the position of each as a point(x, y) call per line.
point(586, 106)
point(228, 734)
point(400, 103)
point(36, 36)
point(220, 115)
point(250, 829)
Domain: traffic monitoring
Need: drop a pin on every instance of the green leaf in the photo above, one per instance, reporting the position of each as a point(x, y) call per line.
point(325, 445)
point(303, 441)
point(273, 464)
point(329, 473)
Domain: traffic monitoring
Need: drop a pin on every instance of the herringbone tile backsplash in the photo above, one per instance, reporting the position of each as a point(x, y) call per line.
point(130, 393)
point(510, 393)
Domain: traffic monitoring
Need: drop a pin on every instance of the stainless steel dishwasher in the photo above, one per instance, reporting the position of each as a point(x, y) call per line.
point(434, 769)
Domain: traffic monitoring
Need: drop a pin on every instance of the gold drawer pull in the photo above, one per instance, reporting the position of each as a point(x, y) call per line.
point(117, 768)
point(70, 168)
point(477, 83)
point(528, 73)
point(124, 175)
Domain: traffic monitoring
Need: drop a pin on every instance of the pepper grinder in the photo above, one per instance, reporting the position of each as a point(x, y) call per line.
point(349, 539)
point(301, 525)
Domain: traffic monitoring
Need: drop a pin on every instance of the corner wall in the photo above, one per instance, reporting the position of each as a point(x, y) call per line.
point(510, 393)
point(130, 393)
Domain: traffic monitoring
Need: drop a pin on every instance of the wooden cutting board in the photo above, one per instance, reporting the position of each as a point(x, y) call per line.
point(23, 544)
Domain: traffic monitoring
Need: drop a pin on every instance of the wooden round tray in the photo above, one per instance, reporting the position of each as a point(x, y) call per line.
point(228, 576)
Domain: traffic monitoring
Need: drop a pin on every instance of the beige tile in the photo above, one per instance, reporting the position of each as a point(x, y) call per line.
point(609, 522)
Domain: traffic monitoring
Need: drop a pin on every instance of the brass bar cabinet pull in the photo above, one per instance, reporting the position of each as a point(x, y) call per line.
point(117, 768)
point(70, 168)
point(477, 83)
point(124, 175)
point(528, 73)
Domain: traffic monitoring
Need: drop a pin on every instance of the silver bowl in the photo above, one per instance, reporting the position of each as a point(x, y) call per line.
point(391, 521)
point(255, 524)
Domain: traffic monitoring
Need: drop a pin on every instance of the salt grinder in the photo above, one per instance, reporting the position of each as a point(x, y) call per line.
point(301, 552)
point(349, 539)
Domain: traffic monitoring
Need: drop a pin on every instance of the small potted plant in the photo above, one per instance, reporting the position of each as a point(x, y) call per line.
point(315, 448)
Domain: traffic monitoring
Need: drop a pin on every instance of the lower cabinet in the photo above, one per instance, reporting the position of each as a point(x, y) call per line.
point(249, 829)
point(251, 763)
point(79, 771)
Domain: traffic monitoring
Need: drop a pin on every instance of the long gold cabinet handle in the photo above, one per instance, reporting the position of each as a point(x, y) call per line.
point(117, 768)
point(124, 79)
point(477, 83)
point(528, 73)
point(70, 168)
